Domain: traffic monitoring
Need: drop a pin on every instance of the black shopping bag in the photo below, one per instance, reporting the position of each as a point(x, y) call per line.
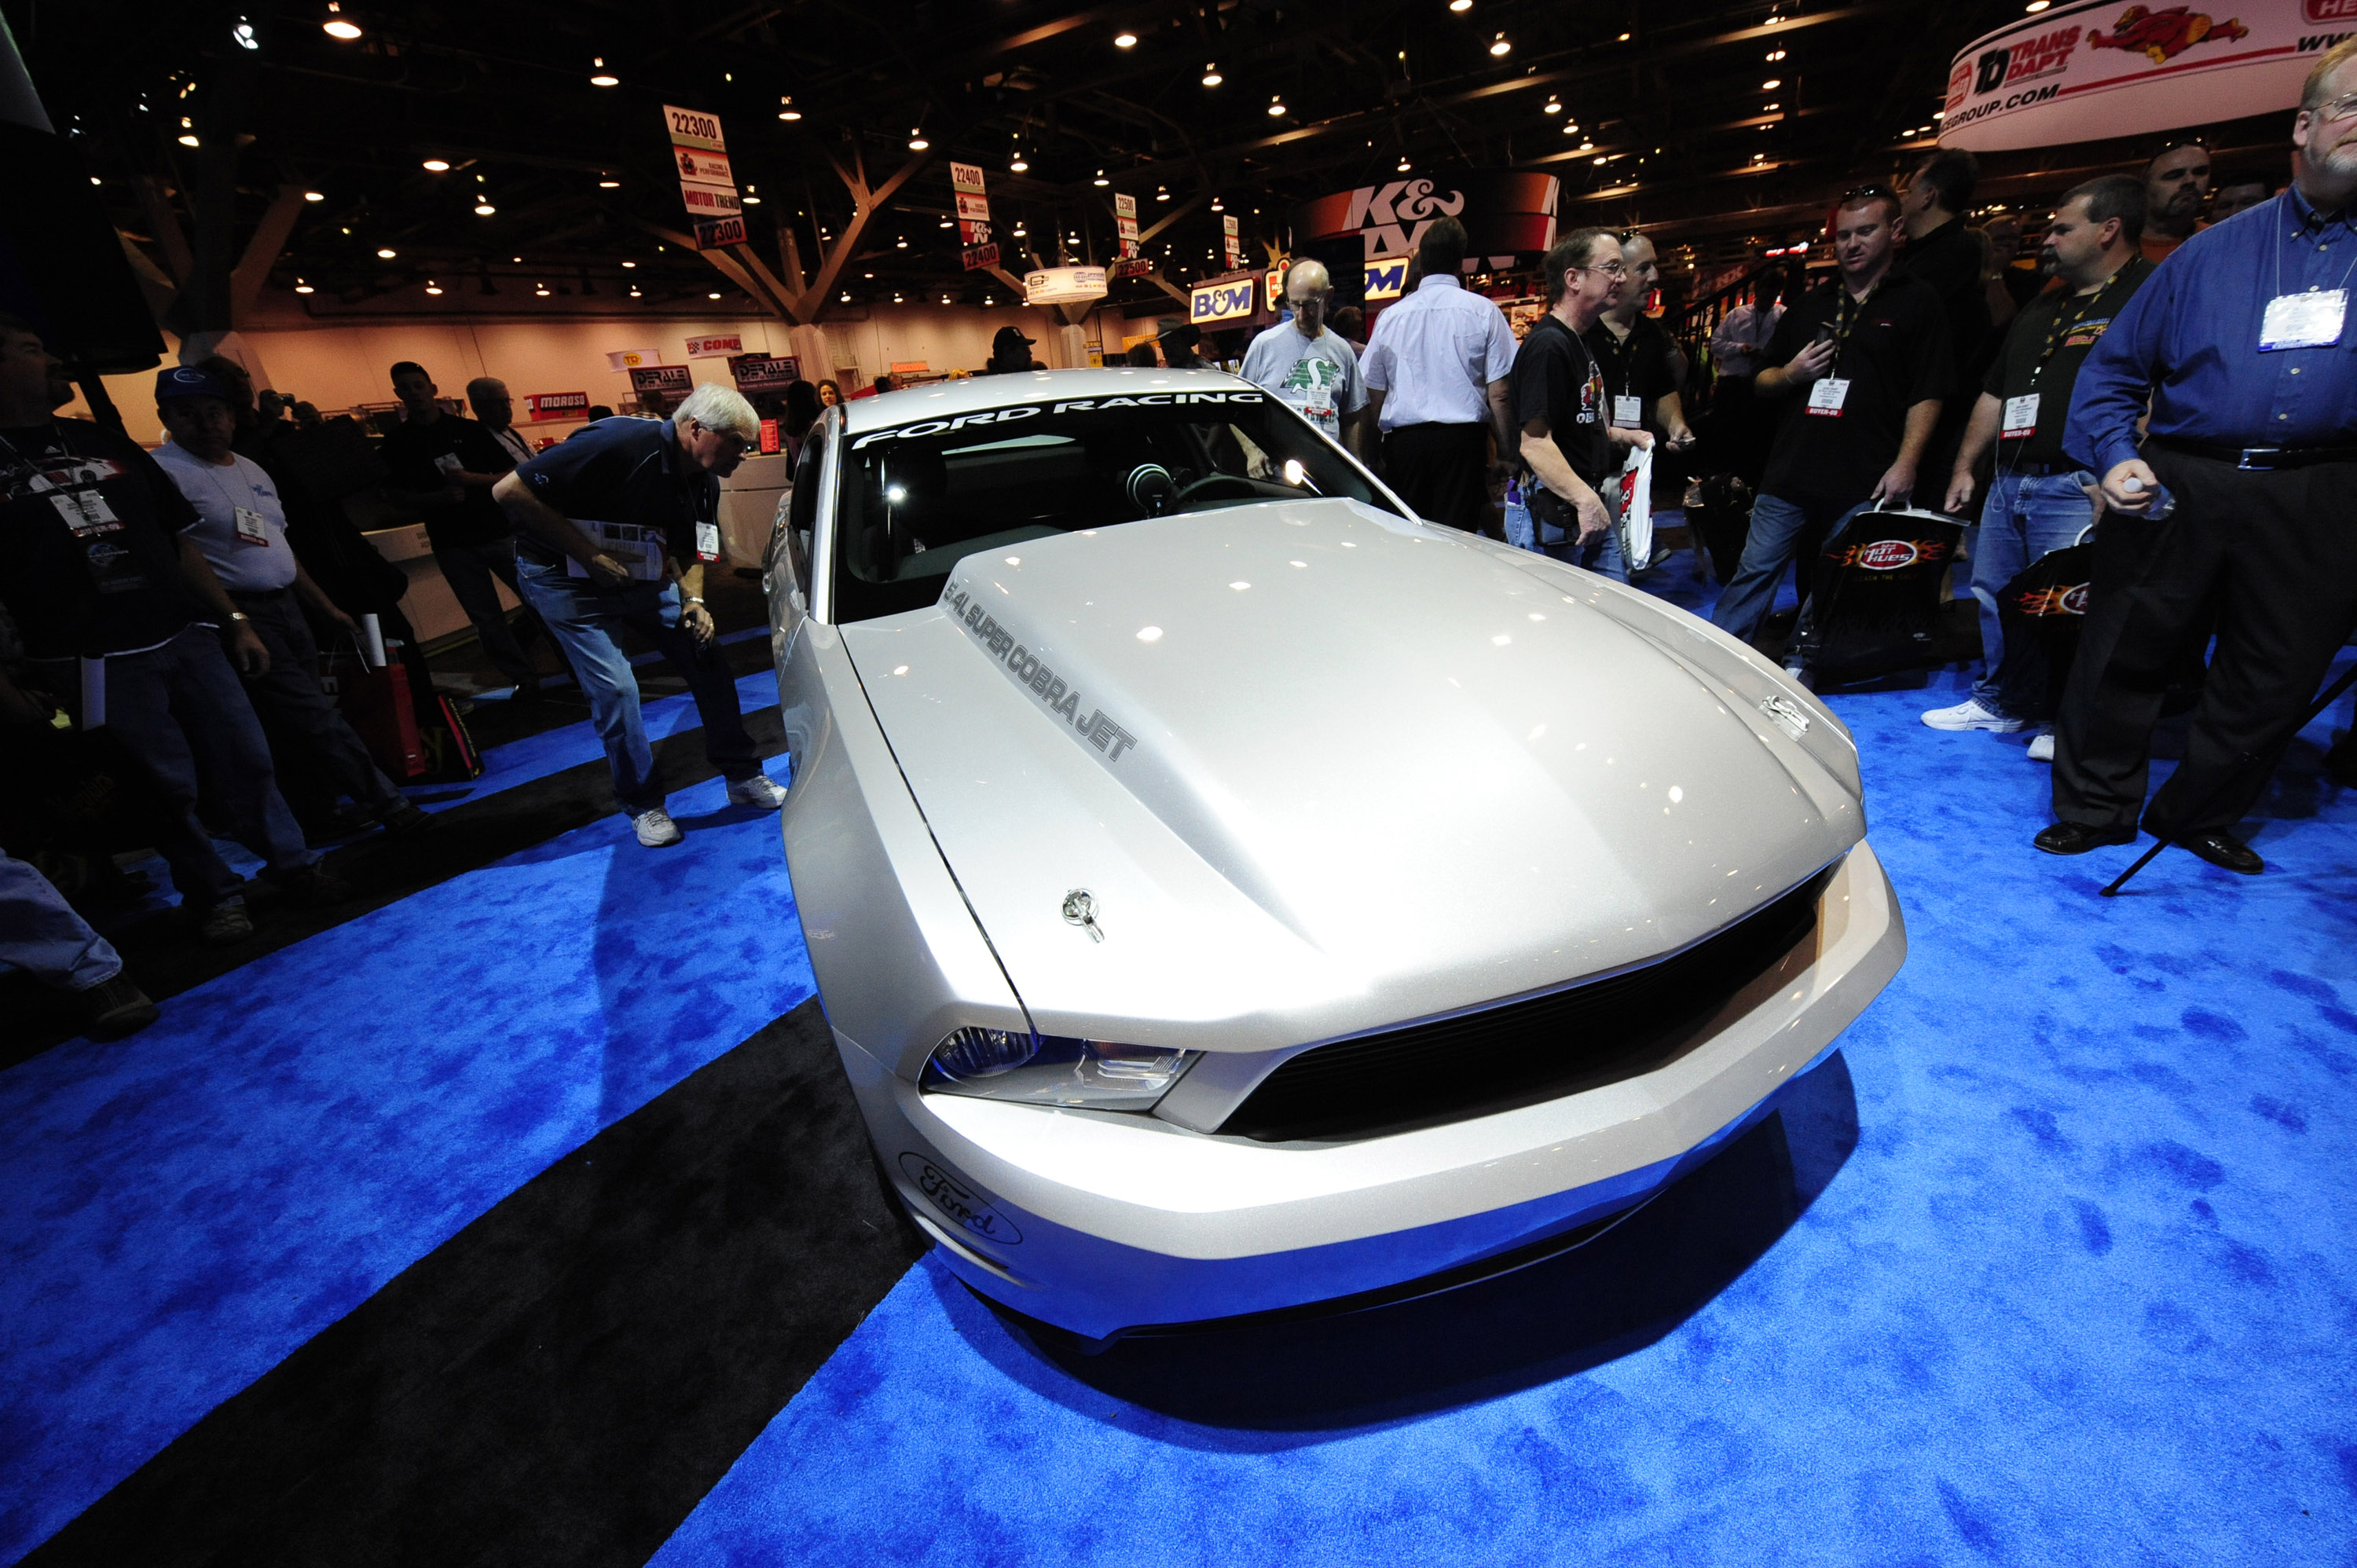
point(2042, 612)
point(1874, 608)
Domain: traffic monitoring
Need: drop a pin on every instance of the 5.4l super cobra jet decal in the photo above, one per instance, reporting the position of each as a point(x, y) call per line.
point(1098, 729)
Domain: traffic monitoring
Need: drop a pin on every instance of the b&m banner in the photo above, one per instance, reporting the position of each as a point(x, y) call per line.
point(2093, 71)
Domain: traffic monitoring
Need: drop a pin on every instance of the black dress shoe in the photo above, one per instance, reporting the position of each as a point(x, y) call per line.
point(2078, 838)
point(2227, 853)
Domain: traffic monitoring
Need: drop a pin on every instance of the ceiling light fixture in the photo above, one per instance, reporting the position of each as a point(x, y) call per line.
point(432, 287)
point(1769, 108)
point(187, 138)
point(338, 26)
point(714, 295)
point(1101, 179)
point(1215, 205)
point(1161, 193)
point(243, 34)
point(384, 252)
point(1460, 7)
point(540, 291)
point(1554, 106)
point(1771, 84)
point(1499, 47)
point(634, 291)
point(437, 165)
point(603, 78)
point(484, 209)
point(1211, 77)
point(917, 142)
point(1125, 40)
point(1624, 37)
point(629, 264)
point(901, 244)
point(302, 287)
point(1018, 164)
point(1402, 166)
point(609, 183)
point(1775, 55)
point(786, 109)
point(846, 297)
point(315, 195)
point(1275, 104)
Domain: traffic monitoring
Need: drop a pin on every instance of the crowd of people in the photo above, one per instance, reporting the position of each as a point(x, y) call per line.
point(2176, 388)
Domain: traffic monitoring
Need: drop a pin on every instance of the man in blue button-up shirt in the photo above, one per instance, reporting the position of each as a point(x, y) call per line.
point(2245, 344)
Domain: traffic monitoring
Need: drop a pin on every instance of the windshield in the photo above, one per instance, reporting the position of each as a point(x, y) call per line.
point(918, 497)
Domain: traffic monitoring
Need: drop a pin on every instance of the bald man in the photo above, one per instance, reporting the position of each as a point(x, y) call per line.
point(1310, 366)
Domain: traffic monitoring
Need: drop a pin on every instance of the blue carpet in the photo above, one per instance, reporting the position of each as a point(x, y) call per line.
point(189, 1207)
point(2056, 1262)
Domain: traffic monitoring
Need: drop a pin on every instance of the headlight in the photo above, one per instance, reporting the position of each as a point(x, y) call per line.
point(1052, 1069)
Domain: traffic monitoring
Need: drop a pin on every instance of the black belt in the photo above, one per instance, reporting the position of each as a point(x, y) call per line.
point(2037, 467)
point(2255, 457)
point(243, 594)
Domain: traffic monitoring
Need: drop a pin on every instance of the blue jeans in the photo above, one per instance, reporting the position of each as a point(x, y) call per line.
point(182, 711)
point(1778, 524)
point(585, 620)
point(1602, 555)
point(2021, 519)
point(40, 933)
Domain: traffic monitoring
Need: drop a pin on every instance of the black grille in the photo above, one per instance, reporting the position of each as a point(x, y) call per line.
point(1524, 1052)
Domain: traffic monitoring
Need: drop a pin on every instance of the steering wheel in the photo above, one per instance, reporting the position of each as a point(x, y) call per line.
point(1234, 485)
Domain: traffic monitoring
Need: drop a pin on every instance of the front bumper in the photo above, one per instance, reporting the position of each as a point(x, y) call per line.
point(1100, 1223)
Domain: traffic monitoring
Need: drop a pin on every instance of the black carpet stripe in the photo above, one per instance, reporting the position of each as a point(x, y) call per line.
point(565, 1379)
point(164, 956)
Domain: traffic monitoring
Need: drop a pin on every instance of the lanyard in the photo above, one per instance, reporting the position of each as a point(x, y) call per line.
point(54, 437)
point(1848, 311)
point(2344, 218)
point(2062, 327)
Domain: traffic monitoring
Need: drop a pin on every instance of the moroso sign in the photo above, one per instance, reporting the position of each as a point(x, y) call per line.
point(1371, 231)
point(2105, 68)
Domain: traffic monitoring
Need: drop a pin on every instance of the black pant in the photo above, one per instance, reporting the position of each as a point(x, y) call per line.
point(469, 569)
point(310, 740)
point(1442, 471)
point(2278, 549)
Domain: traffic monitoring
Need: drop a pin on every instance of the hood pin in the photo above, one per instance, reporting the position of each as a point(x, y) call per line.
point(1080, 910)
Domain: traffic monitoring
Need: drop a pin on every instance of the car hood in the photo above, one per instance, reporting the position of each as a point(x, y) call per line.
point(1322, 769)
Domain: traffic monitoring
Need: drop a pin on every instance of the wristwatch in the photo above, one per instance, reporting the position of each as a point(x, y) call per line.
point(693, 601)
point(239, 614)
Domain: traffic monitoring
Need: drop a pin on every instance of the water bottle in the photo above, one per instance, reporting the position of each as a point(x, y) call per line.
point(2160, 508)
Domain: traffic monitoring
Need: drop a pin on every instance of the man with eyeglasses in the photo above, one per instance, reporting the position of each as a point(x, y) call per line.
point(1866, 355)
point(1308, 366)
point(615, 527)
point(2246, 353)
point(1570, 448)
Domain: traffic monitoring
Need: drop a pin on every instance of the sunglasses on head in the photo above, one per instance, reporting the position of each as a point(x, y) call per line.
point(1868, 193)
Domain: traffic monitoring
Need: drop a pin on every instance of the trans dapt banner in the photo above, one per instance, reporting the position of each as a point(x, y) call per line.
point(2105, 69)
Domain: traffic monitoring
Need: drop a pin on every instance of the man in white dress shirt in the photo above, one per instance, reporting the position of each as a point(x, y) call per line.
point(1438, 368)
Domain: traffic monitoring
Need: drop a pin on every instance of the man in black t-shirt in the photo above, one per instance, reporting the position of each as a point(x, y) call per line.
point(1867, 357)
point(1637, 356)
point(449, 464)
point(2039, 500)
point(1570, 453)
point(124, 624)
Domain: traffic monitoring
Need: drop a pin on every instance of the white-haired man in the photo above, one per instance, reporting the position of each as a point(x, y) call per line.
point(1307, 365)
point(615, 526)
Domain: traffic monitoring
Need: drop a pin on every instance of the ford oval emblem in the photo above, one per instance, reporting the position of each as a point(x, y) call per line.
point(959, 1202)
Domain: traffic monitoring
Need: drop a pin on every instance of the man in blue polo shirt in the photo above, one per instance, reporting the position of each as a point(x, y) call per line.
point(615, 526)
point(2242, 343)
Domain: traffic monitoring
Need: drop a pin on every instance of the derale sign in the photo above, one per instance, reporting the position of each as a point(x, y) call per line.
point(2104, 68)
point(1228, 299)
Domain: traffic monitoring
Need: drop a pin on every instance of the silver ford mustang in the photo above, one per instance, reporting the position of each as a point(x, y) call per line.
point(1232, 896)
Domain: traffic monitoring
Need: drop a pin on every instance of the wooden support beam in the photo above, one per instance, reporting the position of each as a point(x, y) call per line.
point(261, 251)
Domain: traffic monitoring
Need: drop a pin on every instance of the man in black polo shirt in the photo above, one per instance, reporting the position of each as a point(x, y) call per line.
point(449, 464)
point(1949, 256)
point(616, 525)
point(1569, 450)
point(1866, 355)
point(1638, 358)
point(117, 606)
point(2038, 499)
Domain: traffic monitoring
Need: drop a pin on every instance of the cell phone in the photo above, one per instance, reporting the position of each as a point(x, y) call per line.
point(1824, 334)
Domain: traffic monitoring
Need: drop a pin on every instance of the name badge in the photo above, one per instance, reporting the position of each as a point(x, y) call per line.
point(85, 512)
point(1628, 414)
point(1827, 395)
point(2020, 417)
point(707, 542)
point(2311, 320)
point(251, 528)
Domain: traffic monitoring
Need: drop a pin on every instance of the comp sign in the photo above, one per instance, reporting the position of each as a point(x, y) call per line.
point(1232, 299)
point(2105, 68)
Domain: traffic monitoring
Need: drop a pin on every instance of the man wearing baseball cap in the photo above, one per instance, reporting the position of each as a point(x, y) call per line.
point(241, 530)
point(1009, 351)
point(119, 611)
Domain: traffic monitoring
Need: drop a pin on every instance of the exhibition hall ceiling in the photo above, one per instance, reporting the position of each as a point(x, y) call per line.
point(521, 145)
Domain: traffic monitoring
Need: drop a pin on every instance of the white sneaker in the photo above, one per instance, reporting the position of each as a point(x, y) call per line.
point(758, 791)
point(655, 828)
point(2041, 748)
point(1970, 715)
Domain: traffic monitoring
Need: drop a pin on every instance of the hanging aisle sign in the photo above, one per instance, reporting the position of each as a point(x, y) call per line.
point(708, 187)
point(2103, 68)
point(973, 216)
point(716, 345)
point(1124, 223)
point(1063, 285)
point(1232, 235)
